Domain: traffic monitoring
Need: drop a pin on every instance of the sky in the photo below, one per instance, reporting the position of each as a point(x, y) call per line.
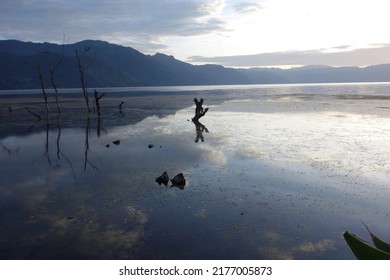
point(233, 33)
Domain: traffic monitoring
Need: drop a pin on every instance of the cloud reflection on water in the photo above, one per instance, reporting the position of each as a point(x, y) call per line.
point(270, 180)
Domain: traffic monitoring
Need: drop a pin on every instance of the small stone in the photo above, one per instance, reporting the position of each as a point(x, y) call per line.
point(116, 142)
point(108, 146)
point(150, 146)
point(178, 181)
point(163, 179)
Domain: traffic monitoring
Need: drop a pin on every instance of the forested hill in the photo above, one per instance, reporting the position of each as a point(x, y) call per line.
point(109, 65)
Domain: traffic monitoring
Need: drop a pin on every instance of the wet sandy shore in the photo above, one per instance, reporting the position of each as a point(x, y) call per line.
point(272, 173)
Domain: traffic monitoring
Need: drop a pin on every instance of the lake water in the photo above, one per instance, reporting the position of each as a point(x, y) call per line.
point(273, 172)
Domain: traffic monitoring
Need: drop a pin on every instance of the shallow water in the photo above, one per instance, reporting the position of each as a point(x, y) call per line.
point(273, 172)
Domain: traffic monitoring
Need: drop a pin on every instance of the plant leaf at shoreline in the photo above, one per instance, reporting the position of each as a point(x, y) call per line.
point(363, 250)
point(380, 244)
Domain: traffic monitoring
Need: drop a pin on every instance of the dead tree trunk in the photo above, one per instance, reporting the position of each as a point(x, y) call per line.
point(97, 99)
point(52, 70)
point(58, 136)
point(86, 144)
point(52, 79)
point(40, 76)
point(199, 111)
point(120, 106)
point(81, 72)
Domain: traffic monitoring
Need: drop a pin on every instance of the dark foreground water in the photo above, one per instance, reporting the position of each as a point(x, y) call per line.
point(273, 172)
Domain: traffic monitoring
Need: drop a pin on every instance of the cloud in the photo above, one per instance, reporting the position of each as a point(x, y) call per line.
point(143, 23)
point(337, 56)
point(337, 48)
point(247, 7)
point(321, 246)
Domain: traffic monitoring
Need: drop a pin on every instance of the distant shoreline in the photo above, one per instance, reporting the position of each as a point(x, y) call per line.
point(155, 89)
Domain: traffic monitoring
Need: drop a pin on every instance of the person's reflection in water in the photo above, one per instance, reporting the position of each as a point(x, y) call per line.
point(200, 128)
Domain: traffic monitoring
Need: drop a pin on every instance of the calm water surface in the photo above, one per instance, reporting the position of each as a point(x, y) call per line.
point(273, 172)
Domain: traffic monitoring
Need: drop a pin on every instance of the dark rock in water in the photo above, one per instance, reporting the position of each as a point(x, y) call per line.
point(179, 181)
point(108, 146)
point(163, 179)
point(116, 142)
point(150, 146)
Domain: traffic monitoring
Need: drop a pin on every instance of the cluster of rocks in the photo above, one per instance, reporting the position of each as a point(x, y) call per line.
point(116, 142)
point(177, 181)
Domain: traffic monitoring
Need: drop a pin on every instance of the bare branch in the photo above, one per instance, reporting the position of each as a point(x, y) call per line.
point(38, 69)
point(81, 73)
point(52, 71)
point(42, 83)
point(36, 115)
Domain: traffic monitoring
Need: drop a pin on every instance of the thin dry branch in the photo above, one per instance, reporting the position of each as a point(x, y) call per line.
point(52, 69)
point(36, 115)
point(81, 73)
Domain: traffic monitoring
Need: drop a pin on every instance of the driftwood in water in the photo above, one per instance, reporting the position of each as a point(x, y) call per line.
point(199, 111)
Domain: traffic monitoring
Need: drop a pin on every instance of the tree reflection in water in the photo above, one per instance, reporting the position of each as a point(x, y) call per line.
point(200, 128)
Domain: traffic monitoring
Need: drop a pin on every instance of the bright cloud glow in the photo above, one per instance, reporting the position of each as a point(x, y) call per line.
point(203, 28)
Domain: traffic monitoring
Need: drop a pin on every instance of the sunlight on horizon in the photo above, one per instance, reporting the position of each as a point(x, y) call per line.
point(213, 28)
point(280, 25)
